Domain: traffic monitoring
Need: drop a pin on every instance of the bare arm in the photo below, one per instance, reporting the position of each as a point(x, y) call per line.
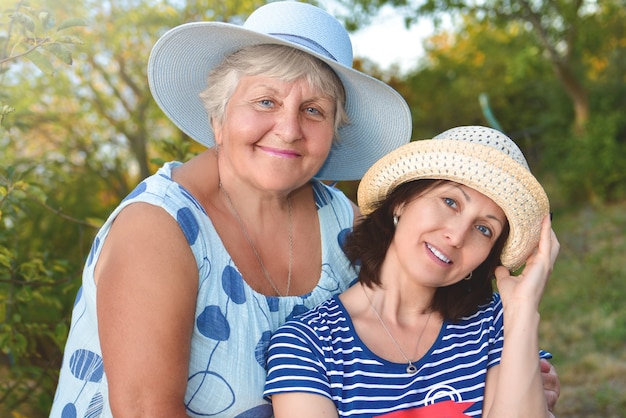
point(303, 405)
point(515, 387)
point(147, 283)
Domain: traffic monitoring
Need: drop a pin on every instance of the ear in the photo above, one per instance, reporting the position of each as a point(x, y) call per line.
point(217, 131)
point(397, 211)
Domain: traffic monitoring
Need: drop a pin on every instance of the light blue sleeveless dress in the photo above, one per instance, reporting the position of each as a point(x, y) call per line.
point(233, 323)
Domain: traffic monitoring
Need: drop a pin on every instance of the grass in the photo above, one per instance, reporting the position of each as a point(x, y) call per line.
point(584, 315)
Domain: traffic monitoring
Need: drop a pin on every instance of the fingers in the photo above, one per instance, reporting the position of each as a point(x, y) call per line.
point(555, 246)
point(547, 250)
point(545, 240)
point(551, 383)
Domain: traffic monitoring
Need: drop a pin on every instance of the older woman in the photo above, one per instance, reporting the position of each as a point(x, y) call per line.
point(197, 267)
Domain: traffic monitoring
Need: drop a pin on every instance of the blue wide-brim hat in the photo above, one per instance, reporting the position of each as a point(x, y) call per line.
point(380, 119)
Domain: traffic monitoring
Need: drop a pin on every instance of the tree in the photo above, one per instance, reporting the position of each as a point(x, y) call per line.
point(34, 35)
point(32, 277)
point(559, 28)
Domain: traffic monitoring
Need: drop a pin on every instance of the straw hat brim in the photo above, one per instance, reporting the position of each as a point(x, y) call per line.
point(485, 169)
point(380, 119)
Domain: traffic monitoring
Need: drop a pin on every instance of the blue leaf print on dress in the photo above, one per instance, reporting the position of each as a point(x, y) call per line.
point(232, 283)
point(192, 199)
point(260, 351)
point(94, 410)
point(199, 405)
point(273, 302)
point(342, 236)
point(92, 252)
point(78, 295)
point(86, 365)
point(321, 196)
point(69, 411)
point(141, 187)
point(260, 411)
point(188, 224)
point(213, 324)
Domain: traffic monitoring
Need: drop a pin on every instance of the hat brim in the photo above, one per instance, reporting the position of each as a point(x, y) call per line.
point(380, 119)
point(485, 169)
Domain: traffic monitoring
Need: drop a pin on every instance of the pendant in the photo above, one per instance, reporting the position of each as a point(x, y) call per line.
point(411, 369)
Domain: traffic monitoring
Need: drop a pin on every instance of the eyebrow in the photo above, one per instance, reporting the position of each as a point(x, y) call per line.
point(469, 199)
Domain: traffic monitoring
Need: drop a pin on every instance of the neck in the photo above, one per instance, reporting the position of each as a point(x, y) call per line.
point(404, 334)
point(401, 294)
point(402, 304)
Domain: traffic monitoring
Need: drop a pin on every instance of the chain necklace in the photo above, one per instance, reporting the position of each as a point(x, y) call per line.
point(254, 250)
point(410, 368)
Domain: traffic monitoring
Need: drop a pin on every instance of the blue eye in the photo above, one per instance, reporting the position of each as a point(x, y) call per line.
point(484, 230)
point(266, 102)
point(450, 202)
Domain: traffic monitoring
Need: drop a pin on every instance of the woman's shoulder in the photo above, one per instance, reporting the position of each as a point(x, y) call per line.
point(320, 314)
point(322, 317)
point(487, 313)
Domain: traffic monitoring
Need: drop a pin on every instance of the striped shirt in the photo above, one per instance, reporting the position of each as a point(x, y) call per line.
point(320, 353)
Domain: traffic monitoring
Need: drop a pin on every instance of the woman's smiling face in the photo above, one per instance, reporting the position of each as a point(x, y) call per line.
point(275, 133)
point(446, 233)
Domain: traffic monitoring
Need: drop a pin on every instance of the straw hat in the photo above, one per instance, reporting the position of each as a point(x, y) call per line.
point(182, 58)
point(478, 157)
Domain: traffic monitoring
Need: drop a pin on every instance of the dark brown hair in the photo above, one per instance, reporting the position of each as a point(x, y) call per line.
point(368, 243)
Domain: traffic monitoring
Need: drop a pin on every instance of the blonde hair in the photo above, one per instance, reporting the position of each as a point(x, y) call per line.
point(276, 61)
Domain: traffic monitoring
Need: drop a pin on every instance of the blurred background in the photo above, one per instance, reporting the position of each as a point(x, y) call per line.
point(79, 129)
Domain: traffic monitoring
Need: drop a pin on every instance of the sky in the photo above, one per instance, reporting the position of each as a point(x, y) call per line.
point(386, 41)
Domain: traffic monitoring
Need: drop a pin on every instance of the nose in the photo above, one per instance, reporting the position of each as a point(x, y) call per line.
point(289, 124)
point(456, 232)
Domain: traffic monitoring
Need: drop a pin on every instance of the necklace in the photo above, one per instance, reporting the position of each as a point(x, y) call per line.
point(254, 250)
point(410, 368)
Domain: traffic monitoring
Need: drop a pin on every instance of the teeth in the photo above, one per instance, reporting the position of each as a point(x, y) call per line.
point(438, 254)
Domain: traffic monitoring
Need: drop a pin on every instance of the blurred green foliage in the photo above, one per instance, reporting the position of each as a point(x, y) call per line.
point(583, 320)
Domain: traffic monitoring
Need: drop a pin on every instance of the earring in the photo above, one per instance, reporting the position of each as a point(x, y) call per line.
point(469, 276)
point(395, 220)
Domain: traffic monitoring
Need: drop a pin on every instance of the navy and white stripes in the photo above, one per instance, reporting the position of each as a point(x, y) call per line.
point(319, 352)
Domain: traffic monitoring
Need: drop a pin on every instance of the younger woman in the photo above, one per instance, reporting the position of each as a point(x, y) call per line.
point(423, 334)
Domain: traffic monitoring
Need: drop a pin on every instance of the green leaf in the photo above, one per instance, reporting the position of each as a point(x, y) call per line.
point(46, 19)
point(18, 194)
point(23, 20)
point(59, 51)
point(71, 23)
point(68, 39)
point(4, 343)
point(42, 62)
point(37, 193)
point(20, 344)
point(5, 110)
point(60, 332)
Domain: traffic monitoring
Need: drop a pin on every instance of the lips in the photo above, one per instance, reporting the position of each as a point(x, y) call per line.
point(280, 152)
point(438, 254)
